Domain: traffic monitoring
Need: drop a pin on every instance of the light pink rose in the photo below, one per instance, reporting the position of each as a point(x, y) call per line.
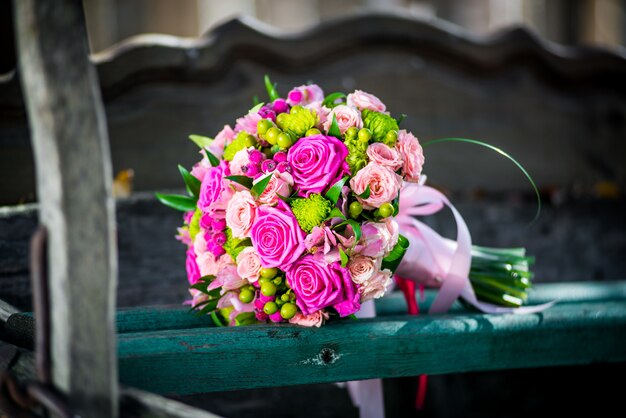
point(199, 244)
point(201, 169)
point(362, 100)
point(383, 155)
point(210, 265)
point(384, 185)
point(241, 158)
point(378, 238)
point(249, 264)
point(321, 112)
point(304, 95)
point(315, 319)
point(346, 116)
point(241, 213)
point(376, 286)
point(223, 138)
point(280, 184)
point(248, 123)
point(363, 268)
point(412, 156)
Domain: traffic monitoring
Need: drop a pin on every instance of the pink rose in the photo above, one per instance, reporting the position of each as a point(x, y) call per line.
point(210, 265)
point(318, 285)
point(249, 264)
point(223, 138)
point(215, 191)
point(241, 158)
point(378, 238)
point(317, 162)
point(384, 185)
point(362, 100)
point(346, 116)
point(201, 169)
point(199, 244)
point(376, 286)
point(321, 112)
point(304, 95)
point(383, 155)
point(193, 272)
point(248, 123)
point(315, 319)
point(276, 236)
point(363, 268)
point(241, 213)
point(412, 155)
point(279, 185)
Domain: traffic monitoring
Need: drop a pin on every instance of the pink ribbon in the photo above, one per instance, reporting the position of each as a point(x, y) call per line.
point(435, 261)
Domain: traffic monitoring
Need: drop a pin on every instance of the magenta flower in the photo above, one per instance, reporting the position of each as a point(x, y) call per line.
point(214, 191)
point(318, 285)
point(193, 271)
point(276, 236)
point(317, 162)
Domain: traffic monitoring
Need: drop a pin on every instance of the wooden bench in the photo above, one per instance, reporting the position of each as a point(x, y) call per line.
point(512, 90)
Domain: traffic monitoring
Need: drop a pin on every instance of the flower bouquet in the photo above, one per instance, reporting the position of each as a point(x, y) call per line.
point(305, 210)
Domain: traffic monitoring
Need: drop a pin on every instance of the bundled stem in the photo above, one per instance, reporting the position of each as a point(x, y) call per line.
point(501, 276)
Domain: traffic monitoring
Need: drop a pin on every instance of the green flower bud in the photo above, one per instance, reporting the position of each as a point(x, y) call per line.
point(271, 135)
point(379, 124)
point(268, 273)
point(310, 211)
point(385, 210)
point(355, 209)
point(268, 289)
point(246, 296)
point(288, 311)
point(270, 308)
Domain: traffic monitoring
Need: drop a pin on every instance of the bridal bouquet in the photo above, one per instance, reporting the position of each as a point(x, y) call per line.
point(295, 214)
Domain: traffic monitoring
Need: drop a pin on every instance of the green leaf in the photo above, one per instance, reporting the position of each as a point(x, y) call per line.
point(336, 213)
point(271, 89)
point(259, 188)
point(501, 152)
point(393, 259)
point(212, 158)
point(245, 181)
point(216, 319)
point(329, 101)
point(245, 318)
point(256, 108)
point(356, 227)
point(178, 202)
point(401, 118)
point(286, 199)
point(201, 141)
point(344, 258)
point(334, 129)
point(366, 193)
point(335, 191)
point(192, 183)
point(209, 307)
point(255, 100)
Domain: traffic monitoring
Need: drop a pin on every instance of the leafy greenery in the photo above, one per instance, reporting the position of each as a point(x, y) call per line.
point(178, 202)
point(201, 141)
point(335, 190)
point(191, 182)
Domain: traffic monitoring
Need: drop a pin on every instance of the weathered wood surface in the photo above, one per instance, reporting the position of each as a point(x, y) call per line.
point(74, 187)
point(572, 242)
point(560, 110)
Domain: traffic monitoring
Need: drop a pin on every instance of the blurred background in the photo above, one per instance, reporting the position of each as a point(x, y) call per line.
point(569, 22)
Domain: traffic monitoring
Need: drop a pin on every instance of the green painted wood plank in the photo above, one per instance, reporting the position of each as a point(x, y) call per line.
point(217, 359)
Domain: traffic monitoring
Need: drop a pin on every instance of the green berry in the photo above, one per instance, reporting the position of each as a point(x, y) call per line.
point(268, 289)
point(365, 135)
point(355, 209)
point(386, 210)
point(284, 297)
point(246, 296)
point(391, 138)
point(263, 126)
point(284, 140)
point(279, 302)
point(250, 141)
point(352, 133)
point(277, 281)
point(270, 308)
point(271, 135)
point(288, 310)
point(312, 131)
point(269, 273)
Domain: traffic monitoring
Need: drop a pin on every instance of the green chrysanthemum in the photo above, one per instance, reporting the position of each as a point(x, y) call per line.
point(242, 140)
point(311, 211)
point(380, 124)
point(233, 245)
point(357, 157)
point(298, 121)
point(194, 224)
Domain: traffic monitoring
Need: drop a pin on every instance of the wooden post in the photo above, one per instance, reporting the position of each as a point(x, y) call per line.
point(73, 184)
